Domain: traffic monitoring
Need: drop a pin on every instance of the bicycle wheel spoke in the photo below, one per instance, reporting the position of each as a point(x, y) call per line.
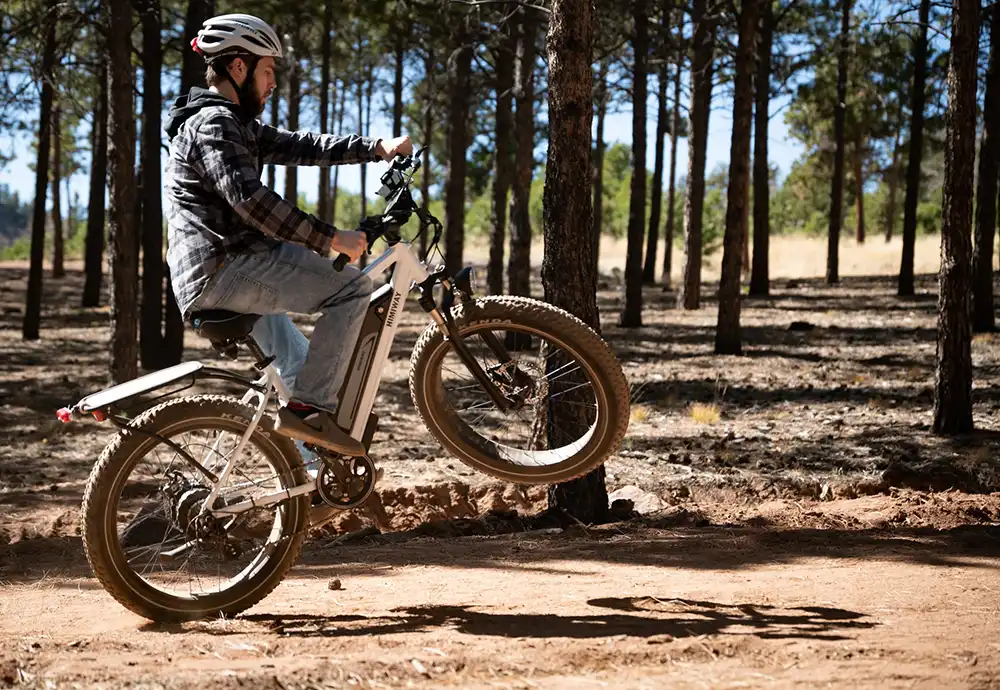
point(532, 379)
point(212, 560)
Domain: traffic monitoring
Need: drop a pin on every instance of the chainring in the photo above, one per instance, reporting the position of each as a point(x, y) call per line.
point(346, 483)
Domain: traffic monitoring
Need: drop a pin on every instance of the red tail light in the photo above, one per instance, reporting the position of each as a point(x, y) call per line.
point(64, 415)
point(98, 415)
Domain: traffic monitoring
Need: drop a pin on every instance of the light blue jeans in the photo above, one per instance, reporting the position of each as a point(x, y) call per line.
point(291, 278)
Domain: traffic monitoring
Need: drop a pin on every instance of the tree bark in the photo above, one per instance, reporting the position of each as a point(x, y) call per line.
point(675, 128)
point(503, 164)
point(689, 295)
point(425, 178)
point(397, 86)
point(839, 117)
point(459, 69)
point(93, 258)
point(727, 334)
point(123, 346)
point(275, 122)
point(151, 345)
point(905, 287)
point(760, 270)
point(567, 276)
point(294, 97)
point(369, 86)
point(519, 258)
point(986, 194)
point(859, 189)
point(655, 203)
point(192, 64)
point(323, 204)
point(336, 169)
point(33, 299)
point(953, 383)
point(58, 268)
point(892, 181)
point(599, 146)
point(631, 316)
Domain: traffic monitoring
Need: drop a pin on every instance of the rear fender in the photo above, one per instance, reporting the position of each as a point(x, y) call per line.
point(143, 384)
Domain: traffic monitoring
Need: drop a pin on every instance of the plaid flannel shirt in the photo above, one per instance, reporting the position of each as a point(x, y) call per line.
point(217, 205)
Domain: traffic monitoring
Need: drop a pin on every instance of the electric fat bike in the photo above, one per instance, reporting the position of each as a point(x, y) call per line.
point(197, 507)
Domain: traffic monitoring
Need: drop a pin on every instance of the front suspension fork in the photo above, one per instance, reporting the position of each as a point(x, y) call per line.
point(446, 322)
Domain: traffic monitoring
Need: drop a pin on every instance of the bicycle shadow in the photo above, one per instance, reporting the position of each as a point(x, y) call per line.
point(639, 617)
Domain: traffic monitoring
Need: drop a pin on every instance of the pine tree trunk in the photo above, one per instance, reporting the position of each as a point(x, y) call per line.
point(369, 86)
point(397, 87)
point(58, 269)
point(859, 190)
point(151, 345)
point(567, 276)
point(839, 118)
point(294, 97)
point(631, 316)
point(336, 169)
point(192, 64)
point(173, 322)
point(503, 164)
point(428, 131)
point(33, 299)
point(275, 122)
point(675, 127)
point(986, 194)
point(727, 334)
point(689, 295)
point(892, 181)
point(123, 248)
point(653, 235)
point(519, 258)
point(599, 146)
point(459, 69)
point(760, 270)
point(323, 204)
point(905, 287)
point(953, 383)
point(93, 257)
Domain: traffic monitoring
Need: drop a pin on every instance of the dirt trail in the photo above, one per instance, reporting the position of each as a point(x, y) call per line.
point(811, 531)
point(612, 607)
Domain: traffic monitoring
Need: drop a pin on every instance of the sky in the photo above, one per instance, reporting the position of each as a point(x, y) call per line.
point(783, 150)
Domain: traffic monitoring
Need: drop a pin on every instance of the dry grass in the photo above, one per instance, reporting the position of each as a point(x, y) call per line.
point(701, 413)
point(790, 256)
point(639, 413)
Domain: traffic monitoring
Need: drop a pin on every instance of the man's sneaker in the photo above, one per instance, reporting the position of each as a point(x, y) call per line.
point(313, 425)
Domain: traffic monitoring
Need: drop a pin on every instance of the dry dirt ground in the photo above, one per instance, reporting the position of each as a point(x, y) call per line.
point(806, 528)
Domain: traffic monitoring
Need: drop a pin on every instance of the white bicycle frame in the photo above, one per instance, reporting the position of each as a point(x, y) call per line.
point(409, 271)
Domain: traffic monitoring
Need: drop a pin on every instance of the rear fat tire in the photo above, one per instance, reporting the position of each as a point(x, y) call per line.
point(100, 532)
point(561, 328)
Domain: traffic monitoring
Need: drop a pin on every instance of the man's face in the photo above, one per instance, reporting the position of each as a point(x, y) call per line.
point(263, 81)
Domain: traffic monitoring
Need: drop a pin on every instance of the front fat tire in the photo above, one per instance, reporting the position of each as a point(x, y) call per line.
point(610, 386)
point(100, 536)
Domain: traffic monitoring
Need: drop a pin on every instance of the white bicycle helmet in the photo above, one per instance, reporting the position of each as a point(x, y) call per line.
point(236, 34)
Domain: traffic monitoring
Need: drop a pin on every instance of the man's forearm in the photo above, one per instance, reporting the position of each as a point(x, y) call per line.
point(281, 147)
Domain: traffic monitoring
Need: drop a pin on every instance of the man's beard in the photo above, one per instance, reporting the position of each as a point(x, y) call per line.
point(251, 102)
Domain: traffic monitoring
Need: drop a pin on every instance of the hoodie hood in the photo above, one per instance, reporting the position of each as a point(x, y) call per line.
point(185, 107)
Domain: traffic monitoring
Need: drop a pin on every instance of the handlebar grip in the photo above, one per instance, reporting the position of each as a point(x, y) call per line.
point(340, 262)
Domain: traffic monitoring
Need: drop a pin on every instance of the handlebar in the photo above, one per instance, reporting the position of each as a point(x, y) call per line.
point(395, 188)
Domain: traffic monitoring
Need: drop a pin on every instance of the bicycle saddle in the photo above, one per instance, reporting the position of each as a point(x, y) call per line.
point(219, 325)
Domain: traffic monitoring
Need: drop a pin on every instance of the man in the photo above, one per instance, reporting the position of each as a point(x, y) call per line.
point(234, 244)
